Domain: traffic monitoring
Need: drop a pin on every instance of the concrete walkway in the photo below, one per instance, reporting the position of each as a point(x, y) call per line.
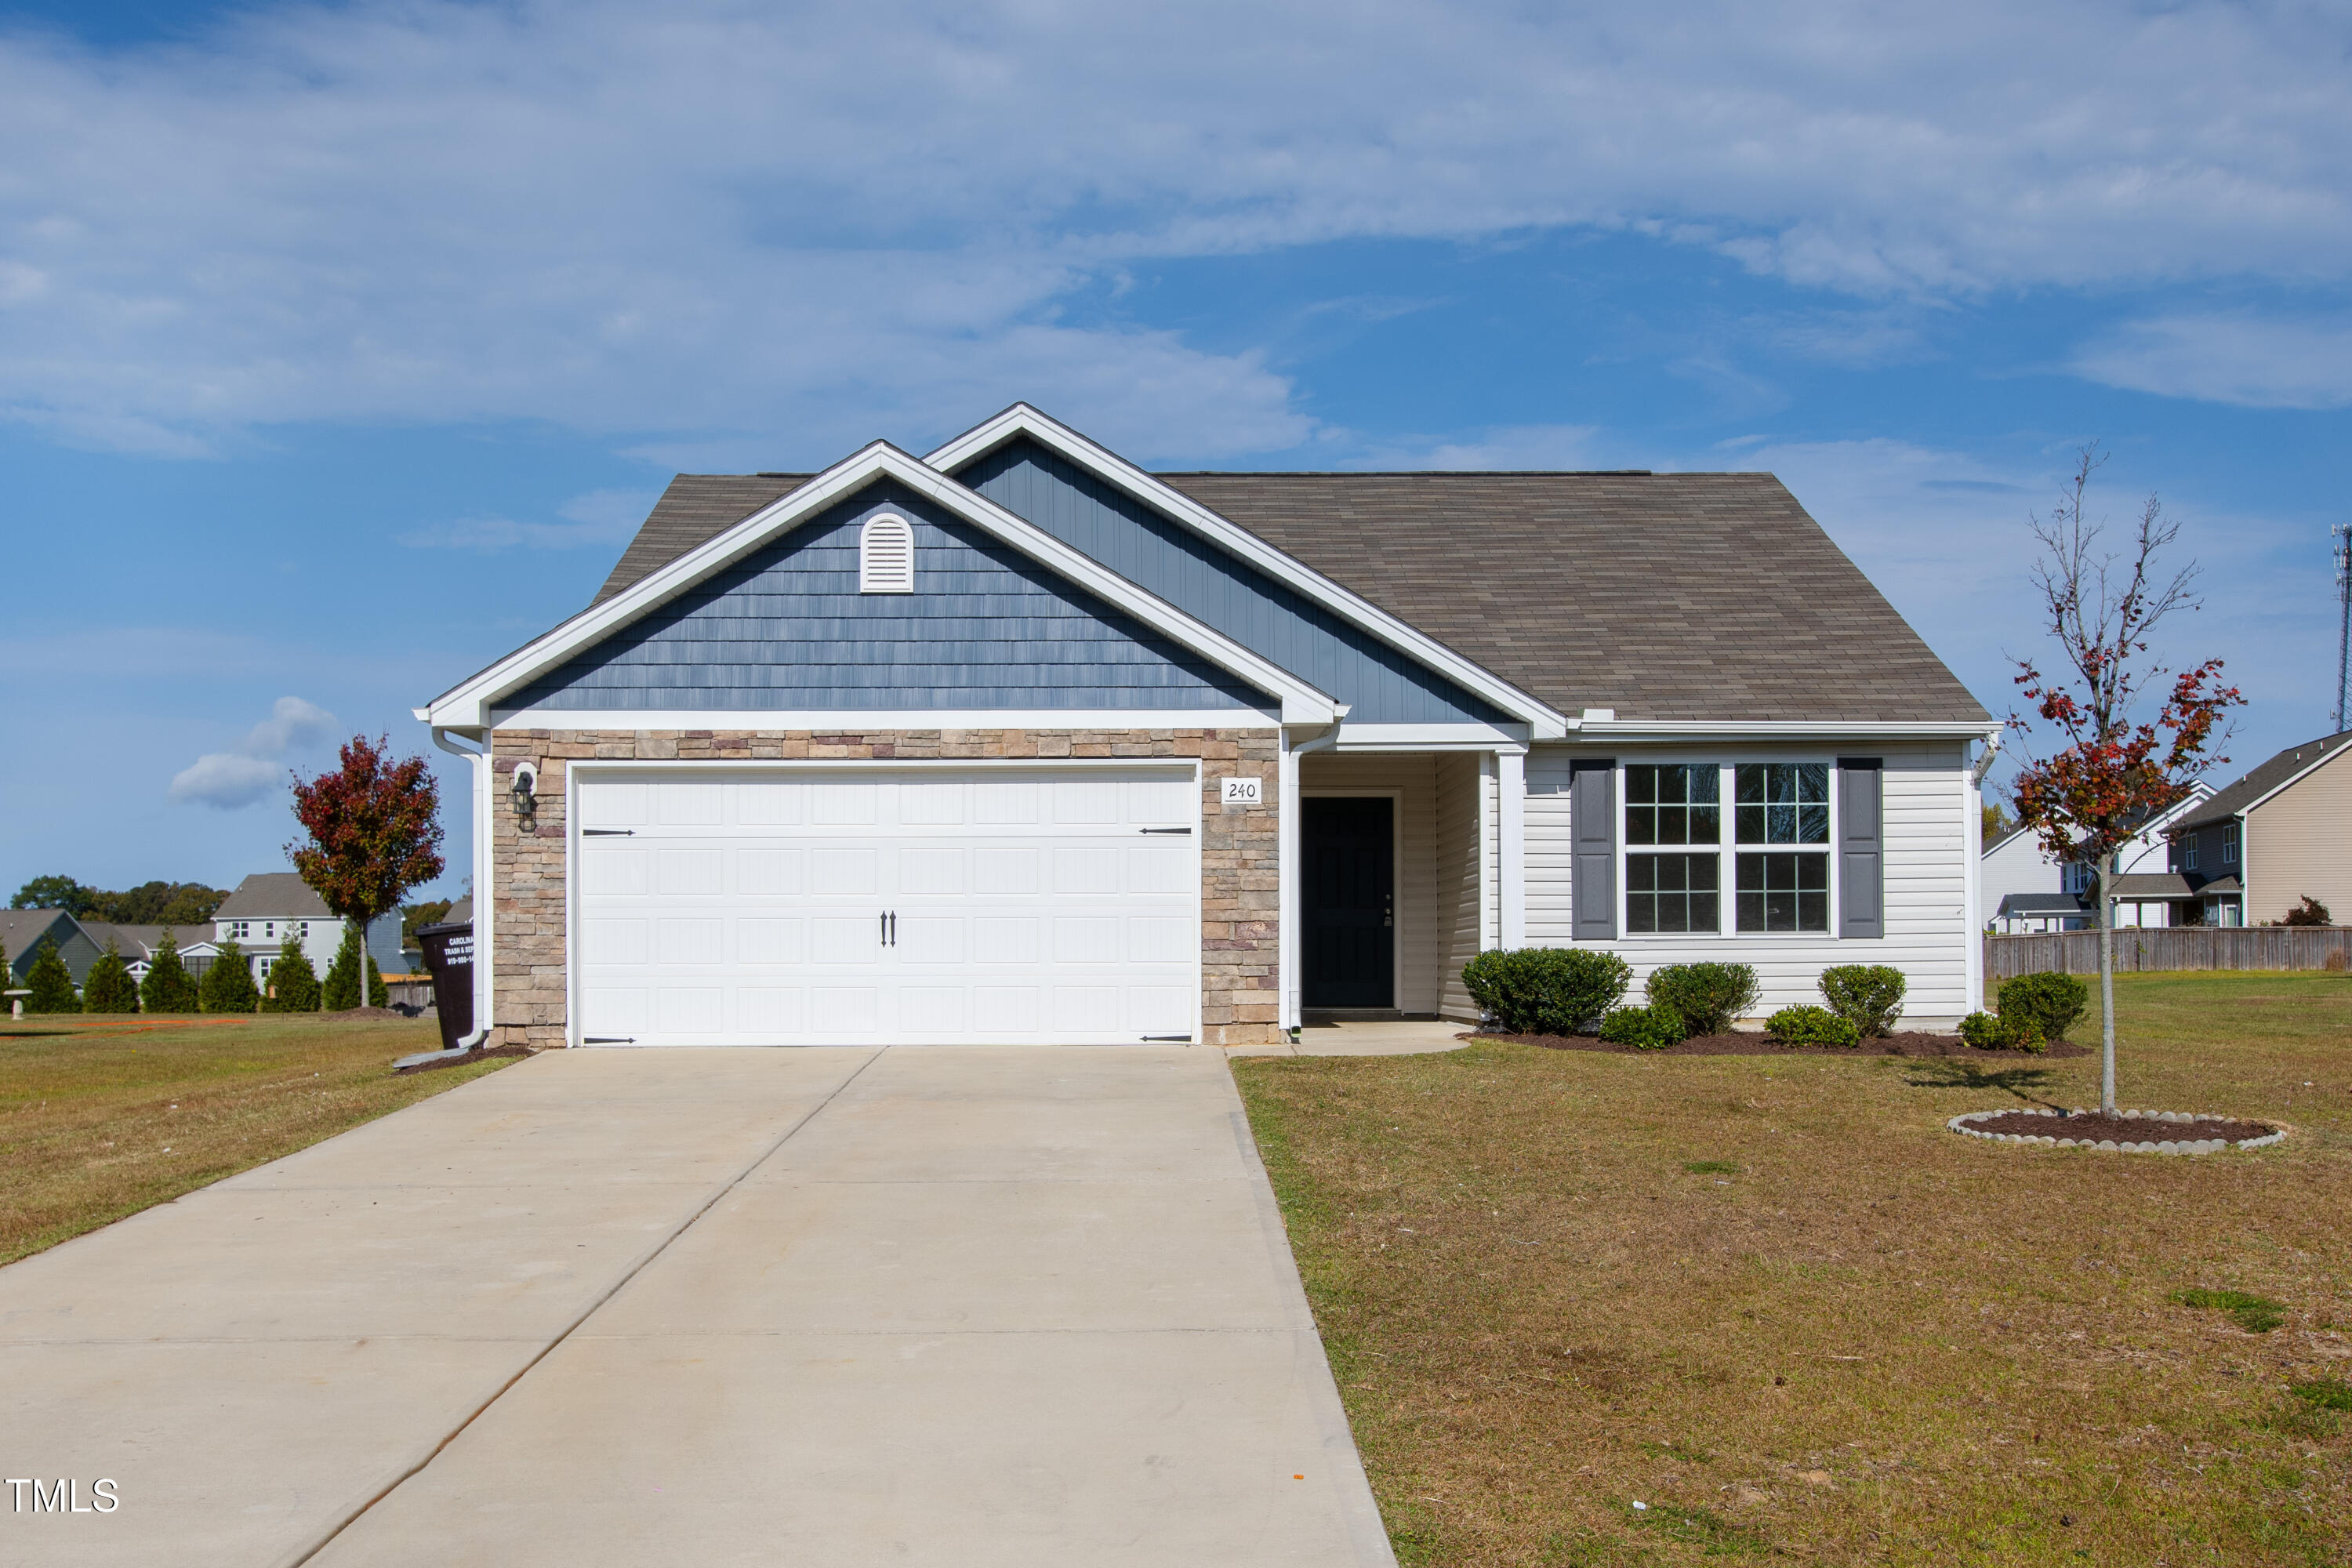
point(1368, 1037)
point(967, 1306)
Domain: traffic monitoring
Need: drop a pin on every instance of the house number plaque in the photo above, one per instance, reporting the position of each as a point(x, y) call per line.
point(1241, 792)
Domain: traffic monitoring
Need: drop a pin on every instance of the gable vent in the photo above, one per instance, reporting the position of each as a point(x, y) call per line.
point(885, 556)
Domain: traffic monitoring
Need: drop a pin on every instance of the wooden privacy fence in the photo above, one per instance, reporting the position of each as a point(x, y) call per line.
point(2170, 947)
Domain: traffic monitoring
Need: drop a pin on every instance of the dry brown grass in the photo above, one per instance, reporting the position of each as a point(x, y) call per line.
point(1869, 1341)
point(101, 1118)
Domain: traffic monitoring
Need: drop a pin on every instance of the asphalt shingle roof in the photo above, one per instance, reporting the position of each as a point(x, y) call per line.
point(2264, 778)
point(273, 895)
point(1699, 597)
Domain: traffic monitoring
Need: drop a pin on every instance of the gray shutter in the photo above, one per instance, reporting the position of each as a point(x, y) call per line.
point(1861, 853)
point(1593, 824)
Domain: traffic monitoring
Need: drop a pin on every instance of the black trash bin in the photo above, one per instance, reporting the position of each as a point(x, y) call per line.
point(449, 956)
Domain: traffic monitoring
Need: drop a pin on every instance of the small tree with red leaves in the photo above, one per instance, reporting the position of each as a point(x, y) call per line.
point(2118, 768)
point(375, 831)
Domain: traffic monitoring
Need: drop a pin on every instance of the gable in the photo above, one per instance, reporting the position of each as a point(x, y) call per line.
point(1382, 685)
point(785, 628)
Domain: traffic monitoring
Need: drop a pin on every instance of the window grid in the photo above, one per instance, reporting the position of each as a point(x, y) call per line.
point(1673, 893)
point(1781, 893)
point(2229, 844)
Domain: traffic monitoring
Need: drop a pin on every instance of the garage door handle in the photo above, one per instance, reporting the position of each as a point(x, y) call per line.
point(882, 929)
point(1186, 830)
point(893, 928)
point(608, 833)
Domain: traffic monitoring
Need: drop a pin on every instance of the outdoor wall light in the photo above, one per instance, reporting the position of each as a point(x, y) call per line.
point(522, 792)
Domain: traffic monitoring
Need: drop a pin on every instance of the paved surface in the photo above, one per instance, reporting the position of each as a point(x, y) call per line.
point(963, 1306)
point(1379, 1037)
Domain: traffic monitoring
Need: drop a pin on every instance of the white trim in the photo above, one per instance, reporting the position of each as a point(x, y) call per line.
point(1511, 772)
point(484, 878)
point(1682, 730)
point(1287, 871)
point(1395, 797)
point(467, 703)
point(1433, 737)
point(1195, 769)
point(1489, 914)
point(1972, 883)
point(826, 722)
point(1021, 419)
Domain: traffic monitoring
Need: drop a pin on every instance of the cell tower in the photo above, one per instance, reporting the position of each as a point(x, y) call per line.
point(2343, 535)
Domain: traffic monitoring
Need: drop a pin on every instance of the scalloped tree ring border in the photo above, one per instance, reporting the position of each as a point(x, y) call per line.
point(2156, 1118)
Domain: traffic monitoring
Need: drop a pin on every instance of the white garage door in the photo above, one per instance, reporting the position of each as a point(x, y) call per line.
point(920, 906)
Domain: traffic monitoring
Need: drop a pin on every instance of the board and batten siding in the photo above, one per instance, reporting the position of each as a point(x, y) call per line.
point(787, 628)
point(1928, 859)
point(1169, 560)
point(2296, 845)
point(1413, 778)
point(1466, 793)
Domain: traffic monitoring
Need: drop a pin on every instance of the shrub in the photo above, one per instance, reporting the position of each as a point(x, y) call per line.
point(1650, 1029)
point(1546, 990)
point(51, 982)
point(293, 983)
point(2310, 912)
point(1988, 1033)
point(167, 988)
point(378, 994)
point(107, 987)
point(2048, 1003)
point(1707, 996)
point(340, 991)
point(227, 986)
point(1810, 1025)
point(1867, 995)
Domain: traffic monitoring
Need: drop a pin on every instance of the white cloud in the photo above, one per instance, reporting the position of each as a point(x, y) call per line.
point(2252, 361)
point(230, 780)
point(726, 225)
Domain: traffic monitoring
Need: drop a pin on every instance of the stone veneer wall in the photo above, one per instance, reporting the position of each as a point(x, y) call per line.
point(1240, 857)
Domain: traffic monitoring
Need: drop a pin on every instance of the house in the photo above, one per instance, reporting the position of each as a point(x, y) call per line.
point(22, 932)
point(2254, 851)
point(1016, 741)
point(2025, 889)
point(269, 909)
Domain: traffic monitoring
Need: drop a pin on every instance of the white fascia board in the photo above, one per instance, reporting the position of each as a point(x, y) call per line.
point(843, 722)
point(468, 704)
point(1021, 419)
point(1674, 730)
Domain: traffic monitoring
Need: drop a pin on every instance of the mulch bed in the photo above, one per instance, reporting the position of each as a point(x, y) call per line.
point(2094, 1128)
point(1745, 1043)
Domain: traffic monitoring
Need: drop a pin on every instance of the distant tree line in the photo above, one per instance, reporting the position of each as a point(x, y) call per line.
point(155, 903)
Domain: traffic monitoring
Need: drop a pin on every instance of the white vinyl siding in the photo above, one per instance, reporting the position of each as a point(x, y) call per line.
point(1413, 777)
point(1928, 859)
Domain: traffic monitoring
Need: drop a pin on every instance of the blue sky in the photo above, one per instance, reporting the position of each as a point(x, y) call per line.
point(342, 347)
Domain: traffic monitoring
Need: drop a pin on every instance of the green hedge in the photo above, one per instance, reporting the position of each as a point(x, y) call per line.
point(1706, 996)
point(1546, 990)
point(1867, 995)
point(2049, 1003)
point(1651, 1029)
point(1810, 1026)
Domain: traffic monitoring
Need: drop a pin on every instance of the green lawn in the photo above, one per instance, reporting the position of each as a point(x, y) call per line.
point(1771, 1300)
point(101, 1118)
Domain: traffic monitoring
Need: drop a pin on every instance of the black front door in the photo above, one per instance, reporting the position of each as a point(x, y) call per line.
point(1347, 858)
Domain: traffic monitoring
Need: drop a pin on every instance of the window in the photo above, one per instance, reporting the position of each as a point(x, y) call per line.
point(2078, 878)
point(2229, 845)
point(885, 556)
point(1783, 803)
point(1675, 803)
point(2189, 853)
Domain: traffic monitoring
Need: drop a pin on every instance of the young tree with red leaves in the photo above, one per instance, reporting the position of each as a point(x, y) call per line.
point(375, 831)
point(2118, 768)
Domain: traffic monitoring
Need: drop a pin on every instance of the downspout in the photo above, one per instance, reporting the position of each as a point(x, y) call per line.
point(1287, 832)
point(1973, 834)
point(482, 772)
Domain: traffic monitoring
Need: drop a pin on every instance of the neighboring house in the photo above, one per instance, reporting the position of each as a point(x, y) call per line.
point(2254, 851)
point(22, 932)
point(269, 909)
point(1019, 742)
point(137, 944)
point(2020, 886)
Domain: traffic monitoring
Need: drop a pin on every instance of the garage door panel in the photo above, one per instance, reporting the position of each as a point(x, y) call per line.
point(771, 873)
point(607, 871)
point(689, 873)
point(752, 910)
point(769, 941)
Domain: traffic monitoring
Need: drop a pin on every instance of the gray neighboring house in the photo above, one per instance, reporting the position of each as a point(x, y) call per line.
point(2253, 852)
point(270, 909)
point(136, 944)
point(1018, 742)
point(22, 932)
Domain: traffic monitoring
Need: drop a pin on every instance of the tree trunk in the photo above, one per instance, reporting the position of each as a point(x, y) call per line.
point(2106, 987)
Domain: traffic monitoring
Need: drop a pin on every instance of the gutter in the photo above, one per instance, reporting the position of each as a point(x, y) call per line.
point(1286, 874)
point(473, 1042)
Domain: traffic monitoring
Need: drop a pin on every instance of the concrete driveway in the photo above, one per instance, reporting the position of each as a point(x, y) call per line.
point(916, 1306)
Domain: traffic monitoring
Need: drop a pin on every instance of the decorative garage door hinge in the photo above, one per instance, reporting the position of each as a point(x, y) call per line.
point(1163, 830)
point(608, 1039)
point(608, 833)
